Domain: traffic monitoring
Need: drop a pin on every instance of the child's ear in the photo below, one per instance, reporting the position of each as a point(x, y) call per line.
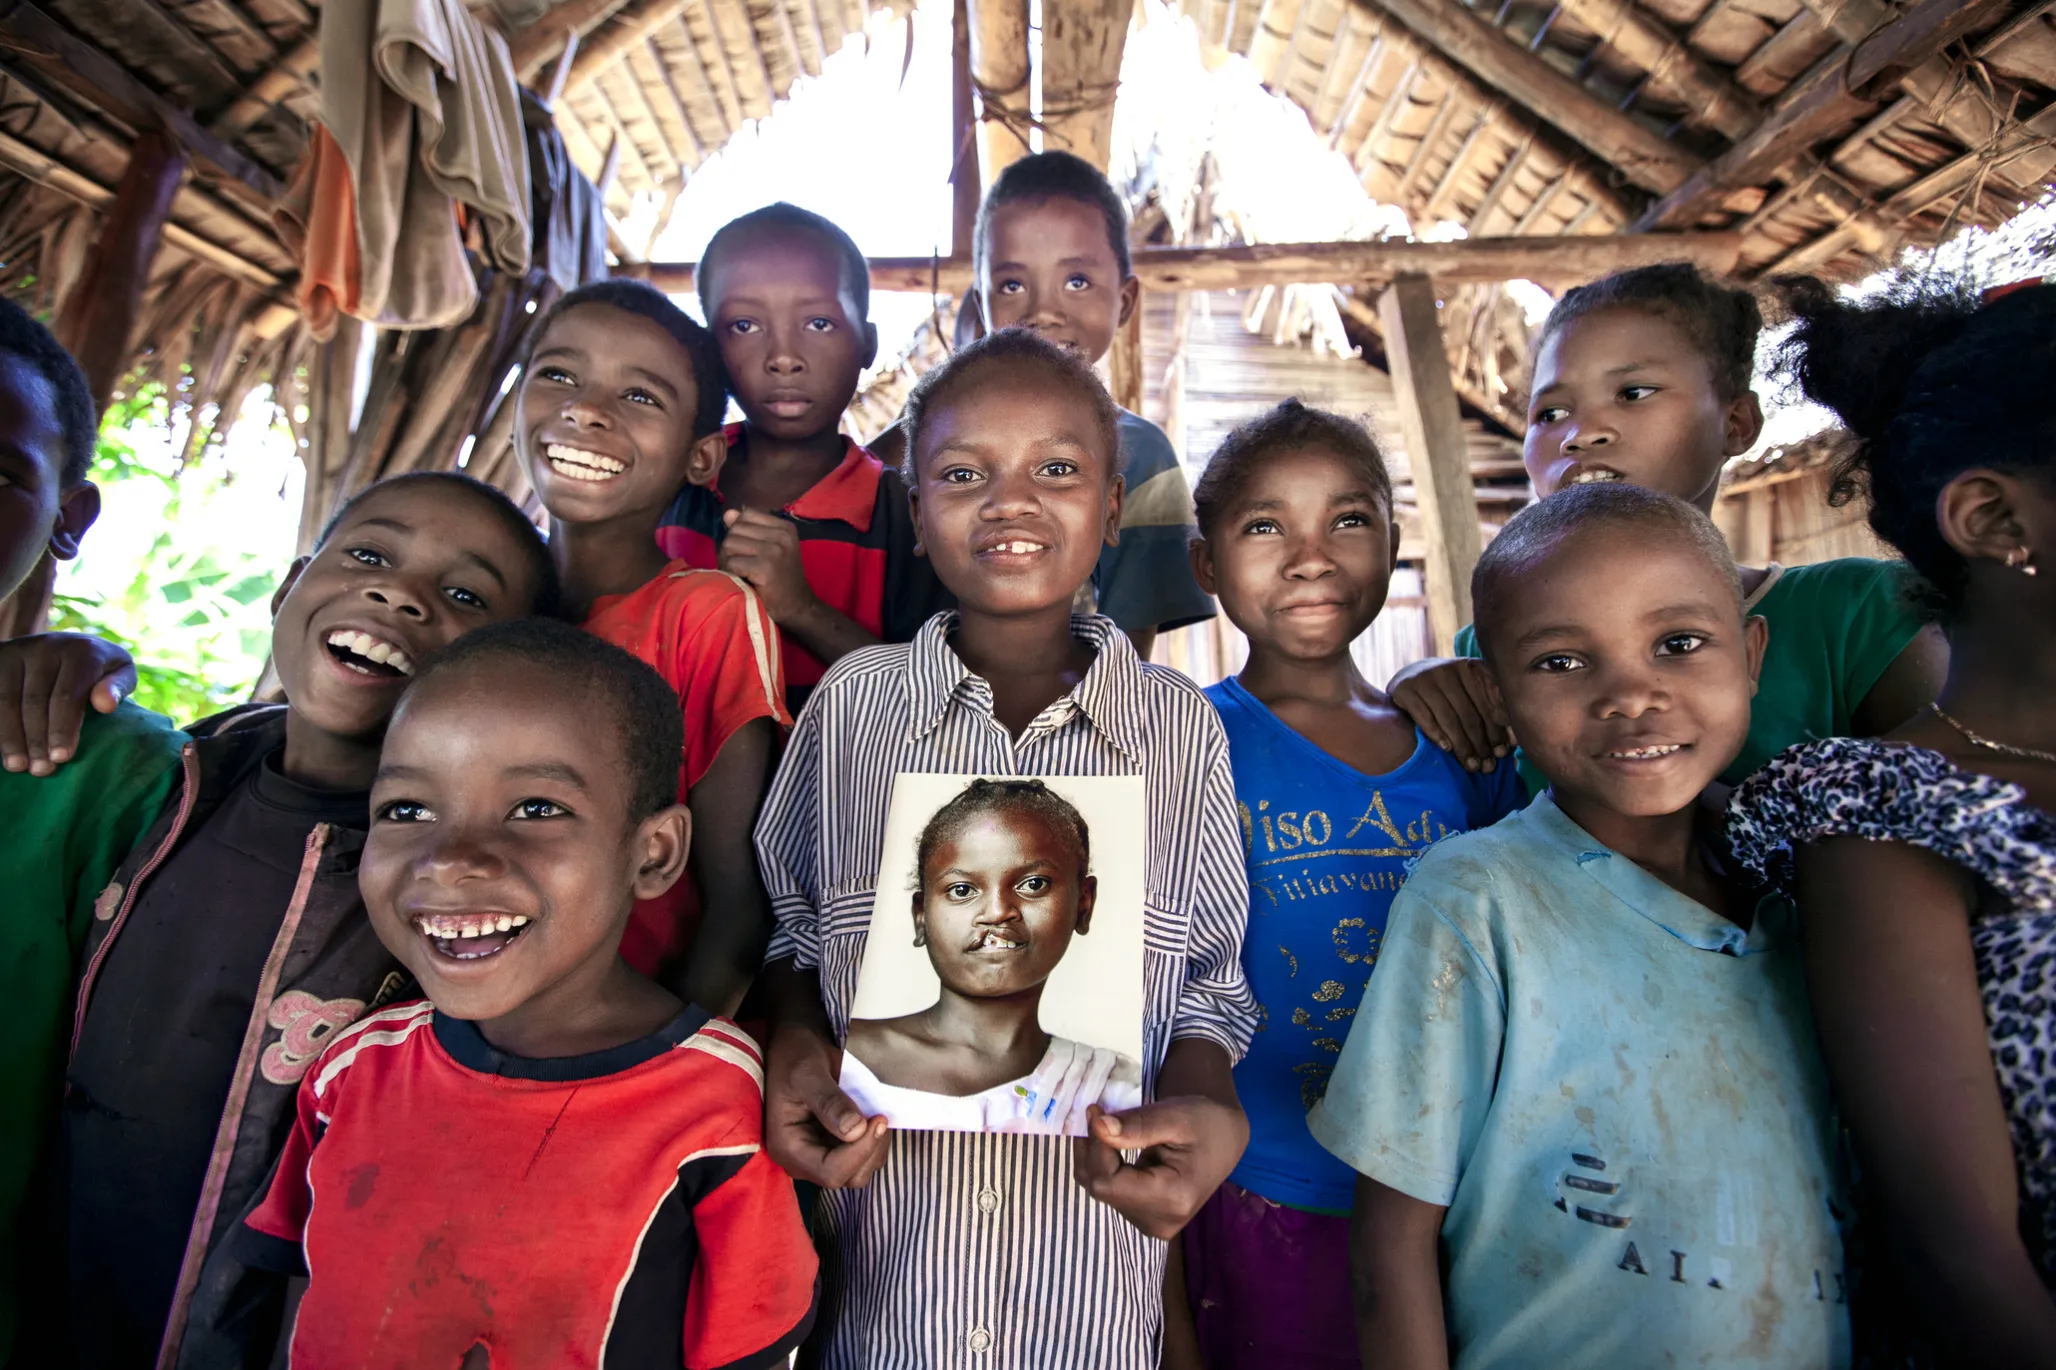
point(1201, 553)
point(870, 342)
point(1392, 535)
point(920, 920)
point(1755, 637)
point(1742, 424)
point(287, 581)
point(914, 511)
point(662, 843)
point(1131, 295)
point(77, 508)
point(704, 460)
point(1116, 490)
point(1978, 514)
point(1088, 899)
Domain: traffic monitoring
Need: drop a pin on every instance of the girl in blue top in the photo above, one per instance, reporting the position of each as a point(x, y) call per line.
point(1339, 793)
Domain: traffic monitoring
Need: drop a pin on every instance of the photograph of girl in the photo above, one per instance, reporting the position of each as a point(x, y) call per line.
point(1003, 884)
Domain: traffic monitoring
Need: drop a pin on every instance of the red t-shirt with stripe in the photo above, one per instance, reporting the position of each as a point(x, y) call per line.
point(707, 634)
point(611, 1210)
point(856, 535)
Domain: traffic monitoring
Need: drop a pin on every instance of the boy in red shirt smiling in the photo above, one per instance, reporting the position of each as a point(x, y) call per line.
point(468, 1213)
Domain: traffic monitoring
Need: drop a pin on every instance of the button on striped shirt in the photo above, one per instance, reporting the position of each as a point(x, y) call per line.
point(979, 1250)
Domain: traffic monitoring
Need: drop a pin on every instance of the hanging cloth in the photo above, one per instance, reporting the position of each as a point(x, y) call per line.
point(420, 102)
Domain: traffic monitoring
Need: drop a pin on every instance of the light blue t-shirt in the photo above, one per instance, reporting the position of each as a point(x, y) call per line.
point(1617, 1095)
point(1327, 847)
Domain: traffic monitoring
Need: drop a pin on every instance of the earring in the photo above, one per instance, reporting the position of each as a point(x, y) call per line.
point(2022, 560)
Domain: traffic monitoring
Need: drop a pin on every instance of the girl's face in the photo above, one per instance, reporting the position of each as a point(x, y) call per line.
point(1014, 492)
point(1302, 557)
point(999, 902)
point(1623, 394)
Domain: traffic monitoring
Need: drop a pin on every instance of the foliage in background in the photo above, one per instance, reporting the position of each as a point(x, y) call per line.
point(185, 592)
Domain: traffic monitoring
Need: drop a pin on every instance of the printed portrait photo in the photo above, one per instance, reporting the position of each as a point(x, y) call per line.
point(1001, 987)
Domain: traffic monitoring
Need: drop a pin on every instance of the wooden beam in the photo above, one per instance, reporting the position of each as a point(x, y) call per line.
point(1438, 128)
point(999, 70)
point(39, 167)
point(1494, 410)
point(1709, 97)
point(1469, 261)
point(560, 73)
point(1082, 41)
point(963, 135)
point(1920, 32)
point(1641, 155)
point(625, 32)
point(543, 40)
point(93, 77)
point(99, 313)
point(290, 73)
point(1401, 96)
point(678, 109)
point(1457, 160)
point(1437, 452)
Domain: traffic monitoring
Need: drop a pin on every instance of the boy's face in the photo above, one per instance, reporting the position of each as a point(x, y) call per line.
point(1303, 558)
point(999, 903)
point(502, 860)
point(37, 513)
point(1622, 394)
point(1014, 494)
point(1626, 668)
point(1050, 267)
point(605, 418)
point(410, 569)
point(790, 334)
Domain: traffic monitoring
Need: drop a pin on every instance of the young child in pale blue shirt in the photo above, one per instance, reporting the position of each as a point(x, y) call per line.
point(1583, 1093)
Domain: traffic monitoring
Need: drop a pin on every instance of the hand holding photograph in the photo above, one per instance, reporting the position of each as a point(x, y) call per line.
point(1005, 993)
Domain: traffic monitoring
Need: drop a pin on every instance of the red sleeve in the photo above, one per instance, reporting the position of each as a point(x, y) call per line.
point(728, 672)
point(752, 1295)
point(283, 1214)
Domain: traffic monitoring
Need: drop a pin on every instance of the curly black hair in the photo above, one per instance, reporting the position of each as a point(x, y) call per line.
point(1722, 321)
point(1012, 349)
point(606, 683)
point(856, 271)
point(23, 335)
point(996, 796)
point(1054, 175)
point(1930, 382)
point(709, 377)
point(1290, 427)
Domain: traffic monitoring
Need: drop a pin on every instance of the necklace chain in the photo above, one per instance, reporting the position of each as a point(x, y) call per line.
point(2006, 749)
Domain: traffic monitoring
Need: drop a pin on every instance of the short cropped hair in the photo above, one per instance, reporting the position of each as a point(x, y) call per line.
point(856, 270)
point(549, 590)
point(709, 377)
point(1054, 175)
point(1031, 797)
point(25, 337)
point(1013, 349)
point(607, 684)
point(1290, 427)
point(1721, 321)
point(1538, 530)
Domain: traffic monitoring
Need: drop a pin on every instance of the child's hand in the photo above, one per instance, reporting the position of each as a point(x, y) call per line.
point(1450, 699)
point(811, 1128)
point(765, 551)
point(46, 681)
point(1188, 1145)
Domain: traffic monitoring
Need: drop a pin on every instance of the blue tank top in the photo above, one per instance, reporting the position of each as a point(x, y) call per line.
point(1327, 847)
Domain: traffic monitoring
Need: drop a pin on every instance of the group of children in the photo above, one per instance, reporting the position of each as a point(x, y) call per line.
point(396, 1024)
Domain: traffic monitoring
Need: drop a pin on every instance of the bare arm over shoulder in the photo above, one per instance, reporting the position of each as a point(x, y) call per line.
point(1895, 993)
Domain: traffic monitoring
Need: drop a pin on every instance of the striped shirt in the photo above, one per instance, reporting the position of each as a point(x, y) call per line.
point(972, 1249)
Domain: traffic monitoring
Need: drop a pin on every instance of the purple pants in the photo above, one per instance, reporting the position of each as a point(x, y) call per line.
point(1269, 1285)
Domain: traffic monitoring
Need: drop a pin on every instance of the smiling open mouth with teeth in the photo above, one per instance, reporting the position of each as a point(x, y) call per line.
point(1017, 547)
point(1648, 753)
point(368, 655)
point(471, 936)
point(1592, 475)
point(575, 463)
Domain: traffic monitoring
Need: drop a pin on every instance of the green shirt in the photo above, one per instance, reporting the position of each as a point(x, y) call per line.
point(66, 835)
point(1834, 628)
